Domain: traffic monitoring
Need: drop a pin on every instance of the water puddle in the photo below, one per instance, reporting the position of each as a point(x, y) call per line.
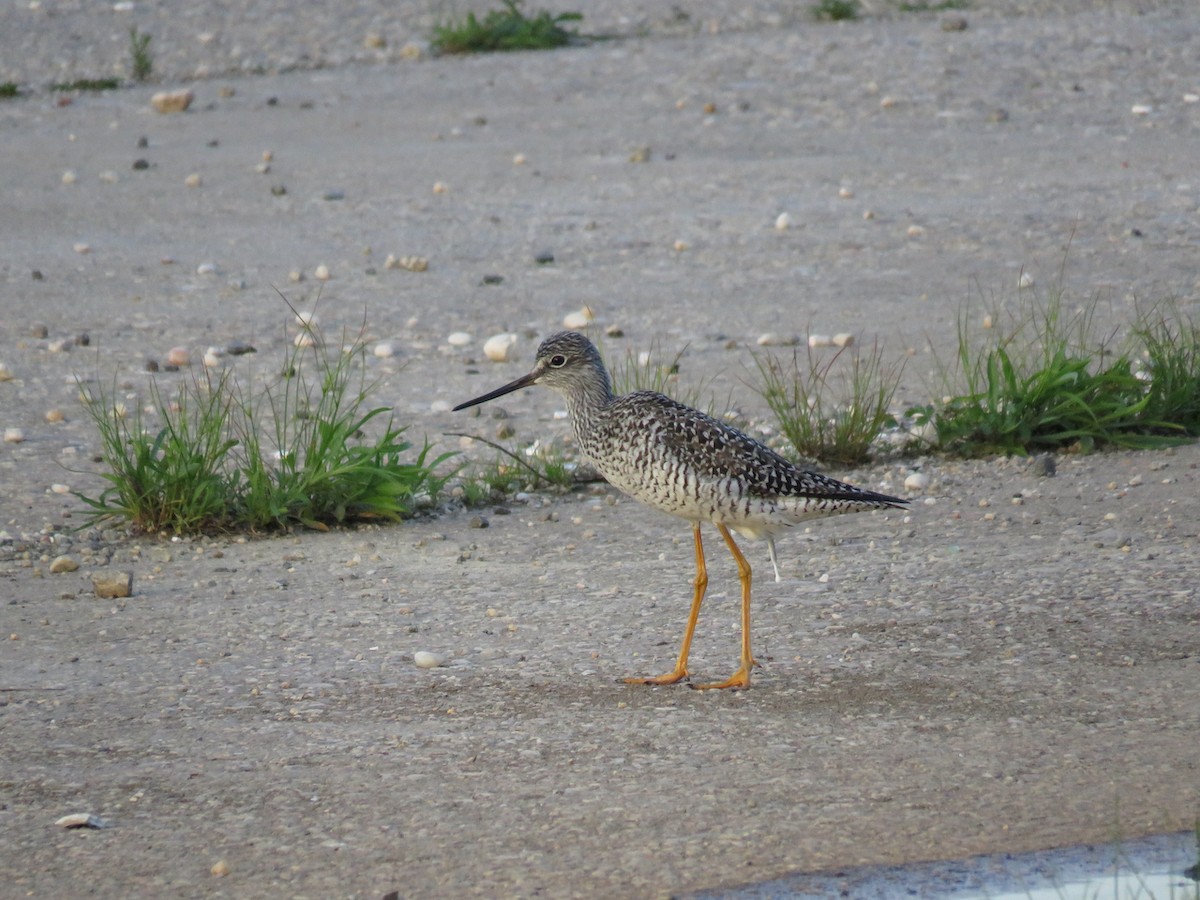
point(1150, 868)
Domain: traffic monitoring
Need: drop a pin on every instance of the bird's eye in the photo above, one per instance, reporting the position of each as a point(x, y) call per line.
point(558, 361)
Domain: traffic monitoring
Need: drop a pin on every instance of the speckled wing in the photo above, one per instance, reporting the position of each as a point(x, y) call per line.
point(715, 451)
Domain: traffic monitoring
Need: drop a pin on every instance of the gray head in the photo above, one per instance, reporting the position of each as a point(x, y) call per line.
point(567, 363)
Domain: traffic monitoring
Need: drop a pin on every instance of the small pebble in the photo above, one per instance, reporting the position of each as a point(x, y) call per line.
point(69, 177)
point(58, 488)
point(440, 187)
point(775, 339)
point(458, 339)
point(519, 159)
point(478, 522)
point(307, 317)
point(374, 41)
point(954, 23)
point(544, 258)
point(384, 350)
point(305, 339)
point(439, 406)
point(108, 585)
point(212, 357)
point(54, 415)
point(680, 246)
point(579, 319)
point(80, 820)
point(820, 340)
point(178, 356)
point(5, 373)
point(1141, 109)
point(171, 101)
point(39, 330)
point(108, 176)
point(423, 659)
point(493, 279)
point(13, 435)
point(614, 331)
point(845, 193)
point(783, 222)
point(409, 263)
point(1025, 281)
point(917, 481)
point(193, 180)
point(59, 345)
point(219, 869)
point(63, 564)
point(240, 348)
point(640, 155)
point(206, 269)
point(321, 273)
point(916, 231)
point(82, 248)
point(498, 347)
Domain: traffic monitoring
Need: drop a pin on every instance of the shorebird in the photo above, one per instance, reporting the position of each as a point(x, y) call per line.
point(686, 463)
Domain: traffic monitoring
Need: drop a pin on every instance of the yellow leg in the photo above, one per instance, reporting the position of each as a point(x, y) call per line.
point(740, 678)
point(680, 671)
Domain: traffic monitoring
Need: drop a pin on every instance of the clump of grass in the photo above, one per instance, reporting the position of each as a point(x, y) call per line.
point(87, 84)
point(503, 30)
point(658, 370)
point(227, 458)
point(538, 466)
point(829, 408)
point(937, 6)
point(141, 60)
point(9, 89)
point(836, 10)
point(1049, 382)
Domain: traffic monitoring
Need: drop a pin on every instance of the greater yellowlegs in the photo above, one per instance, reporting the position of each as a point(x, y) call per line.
point(687, 463)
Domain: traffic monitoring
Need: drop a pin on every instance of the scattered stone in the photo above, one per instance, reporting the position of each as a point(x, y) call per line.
point(680, 246)
point(54, 415)
point(440, 187)
point(783, 221)
point(172, 101)
point(193, 181)
point(81, 820)
point(140, 165)
point(81, 248)
point(321, 273)
point(411, 51)
point(423, 659)
point(212, 357)
point(5, 373)
point(409, 263)
point(498, 348)
point(775, 339)
point(843, 339)
point(915, 231)
point(151, 365)
point(640, 155)
point(478, 522)
point(334, 195)
point(845, 193)
point(820, 340)
point(305, 339)
point(59, 345)
point(519, 159)
point(544, 258)
point(13, 435)
point(1025, 281)
point(458, 339)
point(219, 869)
point(374, 41)
point(63, 564)
point(307, 317)
point(384, 350)
point(69, 177)
point(614, 331)
point(295, 276)
point(278, 190)
point(917, 481)
point(579, 319)
point(1141, 109)
point(39, 331)
point(710, 108)
point(109, 585)
point(58, 488)
point(493, 279)
point(83, 339)
point(954, 23)
point(206, 269)
point(239, 348)
point(108, 176)
point(179, 356)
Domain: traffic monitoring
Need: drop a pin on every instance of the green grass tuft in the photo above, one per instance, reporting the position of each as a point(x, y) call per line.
point(504, 30)
point(226, 458)
point(141, 60)
point(9, 89)
point(836, 10)
point(1048, 382)
point(87, 84)
point(831, 409)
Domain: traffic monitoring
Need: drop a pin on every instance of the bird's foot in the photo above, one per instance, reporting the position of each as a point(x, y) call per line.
point(669, 678)
point(739, 680)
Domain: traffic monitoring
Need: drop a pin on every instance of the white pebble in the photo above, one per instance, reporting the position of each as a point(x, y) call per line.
point(61, 345)
point(385, 350)
point(307, 317)
point(212, 357)
point(206, 269)
point(109, 177)
point(680, 246)
point(498, 347)
point(458, 339)
point(820, 340)
point(6, 373)
point(783, 222)
point(60, 488)
point(916, 231)
point(917, 481)
point(305, 339)
point(1142, 109)
point(845, 193)
point(774, 339)
point(440, 187)
point(579, 319)
point(321, 273)
point(69, 177)
point(426, 660)
point(439, 406)
point(843, 339)
point(82, 248)
point(1025, 281)
point(519, 159)
point(13, 435)
point(178, 356)
point(193, 180)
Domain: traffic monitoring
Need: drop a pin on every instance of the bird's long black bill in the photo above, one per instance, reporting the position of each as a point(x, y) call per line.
point(523, 381)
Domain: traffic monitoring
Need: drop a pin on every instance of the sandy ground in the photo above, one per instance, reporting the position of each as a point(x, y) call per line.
point(1011, 665)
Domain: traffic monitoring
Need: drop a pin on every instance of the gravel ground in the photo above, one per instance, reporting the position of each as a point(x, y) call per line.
point(1009, 666)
